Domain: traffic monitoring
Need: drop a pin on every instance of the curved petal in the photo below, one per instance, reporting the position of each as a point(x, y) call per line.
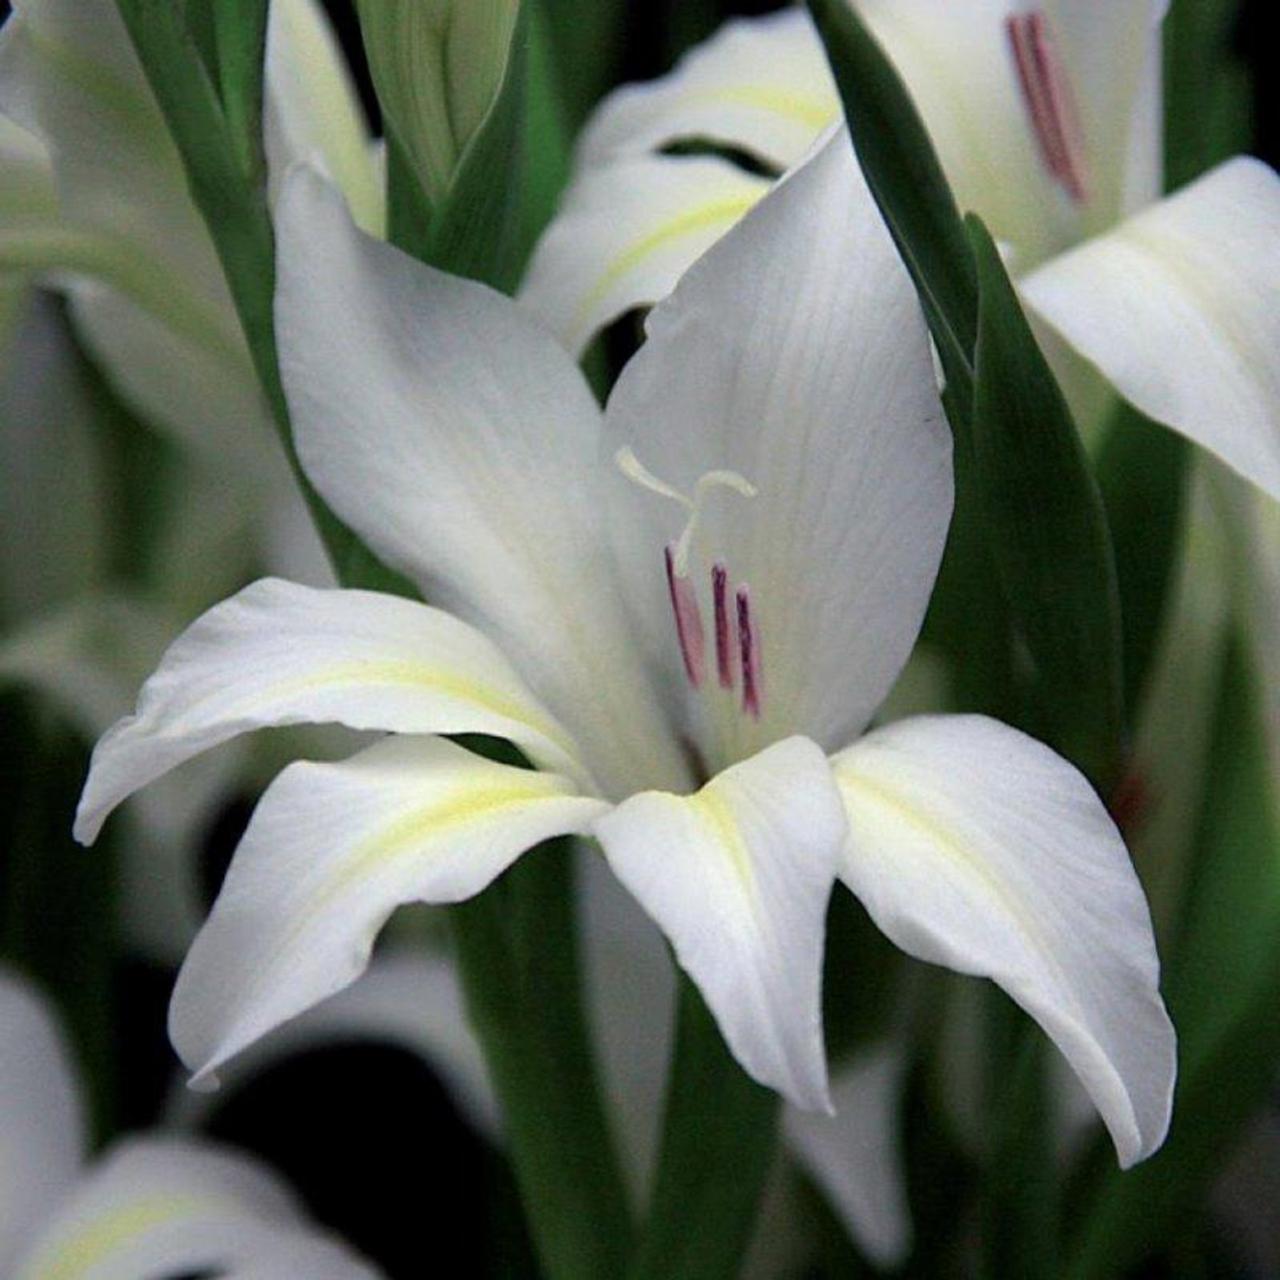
point(313, 112)
point(456, 436)
point(331, 851)
point(976, 847)
point(738, 877)
point(1179, 307)
point(278, 653)
point(26, 194)
point(625, 233)
point(855, 1156)
point(761, 85)
point(166, 1206)
point(794, 353)
point(41, 1124)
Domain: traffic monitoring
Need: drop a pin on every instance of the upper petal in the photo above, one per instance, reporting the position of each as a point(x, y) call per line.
point(331, 851)
point(446, 426)
point(164, 1206)
point(1179, 306)
point(625, 233)
point(794, 353)
point(278, 653)
point(976, 847)
point(762, 86)
point(41, 1125)
point(738, 876)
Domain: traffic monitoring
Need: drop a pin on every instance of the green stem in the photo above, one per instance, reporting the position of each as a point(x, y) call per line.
point(518, 953)
point(717, 1147)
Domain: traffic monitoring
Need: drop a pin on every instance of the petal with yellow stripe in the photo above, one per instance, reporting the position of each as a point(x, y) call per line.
point(278, 653)
point(331, 851)
point(738, 876)
point(625, 235)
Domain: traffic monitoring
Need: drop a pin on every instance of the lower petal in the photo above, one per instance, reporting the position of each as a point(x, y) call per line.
point(330, 852)
point(738, 876)
point(976, 847)
point(1179, 307)
point(158, 1207)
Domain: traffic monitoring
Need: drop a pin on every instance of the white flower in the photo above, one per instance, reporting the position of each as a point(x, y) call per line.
point(786, 393)
point(1046, 120)
point(149, 1206)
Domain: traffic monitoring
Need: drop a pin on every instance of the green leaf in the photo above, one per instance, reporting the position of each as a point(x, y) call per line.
point(233, 203)
point(1047, 527)
point(517, 946)
point(1223, 989)
point(904, 175)
point(719, 1130)
point(1142, 472)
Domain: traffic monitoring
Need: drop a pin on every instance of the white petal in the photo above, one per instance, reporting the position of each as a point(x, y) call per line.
point(976, 847)
point(313, 112)
point(625, 233)
point(762, 86)
point(854, 1156)
point(41, 1125)
point(26, 194)
point(278, 653)
point(794, 353)
point(738, 876)
point(1180, 307)
point(406, 999)
point(161, 1207)
point(456, 435)
point(957, 63)
point(331, 851)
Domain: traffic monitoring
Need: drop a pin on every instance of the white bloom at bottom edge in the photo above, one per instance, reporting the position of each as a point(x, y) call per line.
point(150, 1205)
point(679, 642)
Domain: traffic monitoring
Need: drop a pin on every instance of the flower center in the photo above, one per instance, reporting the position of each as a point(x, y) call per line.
point(1049, 101)
point(744, 657)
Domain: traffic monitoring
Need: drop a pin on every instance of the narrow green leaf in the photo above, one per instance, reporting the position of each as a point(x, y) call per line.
point(1047, 527)
point(233, 204)
point(240, 30)
point(904, 175)
point(517, 946)
point(1142, 472)
point(1223, 990)
point(717, 1146)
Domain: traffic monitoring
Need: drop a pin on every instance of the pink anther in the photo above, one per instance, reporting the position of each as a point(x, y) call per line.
point(1050, 104)
point(749, 649)
point(689, 632)
point(724, 653)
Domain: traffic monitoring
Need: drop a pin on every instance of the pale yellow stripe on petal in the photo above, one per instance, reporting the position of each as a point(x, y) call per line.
point(101, 1236)
point(690, 222)
point(717, 814)
point(469, 804)
point(814, 113)
point(420, 676)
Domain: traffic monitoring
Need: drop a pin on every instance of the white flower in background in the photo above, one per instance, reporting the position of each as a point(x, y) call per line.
point(1047, 122)
point(679, 669)
point(149, 1206)
point(94, 199)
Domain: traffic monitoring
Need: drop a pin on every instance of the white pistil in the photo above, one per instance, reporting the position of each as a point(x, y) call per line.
point(636, 471)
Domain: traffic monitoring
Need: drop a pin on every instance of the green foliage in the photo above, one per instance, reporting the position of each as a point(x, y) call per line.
point(1026, 502)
